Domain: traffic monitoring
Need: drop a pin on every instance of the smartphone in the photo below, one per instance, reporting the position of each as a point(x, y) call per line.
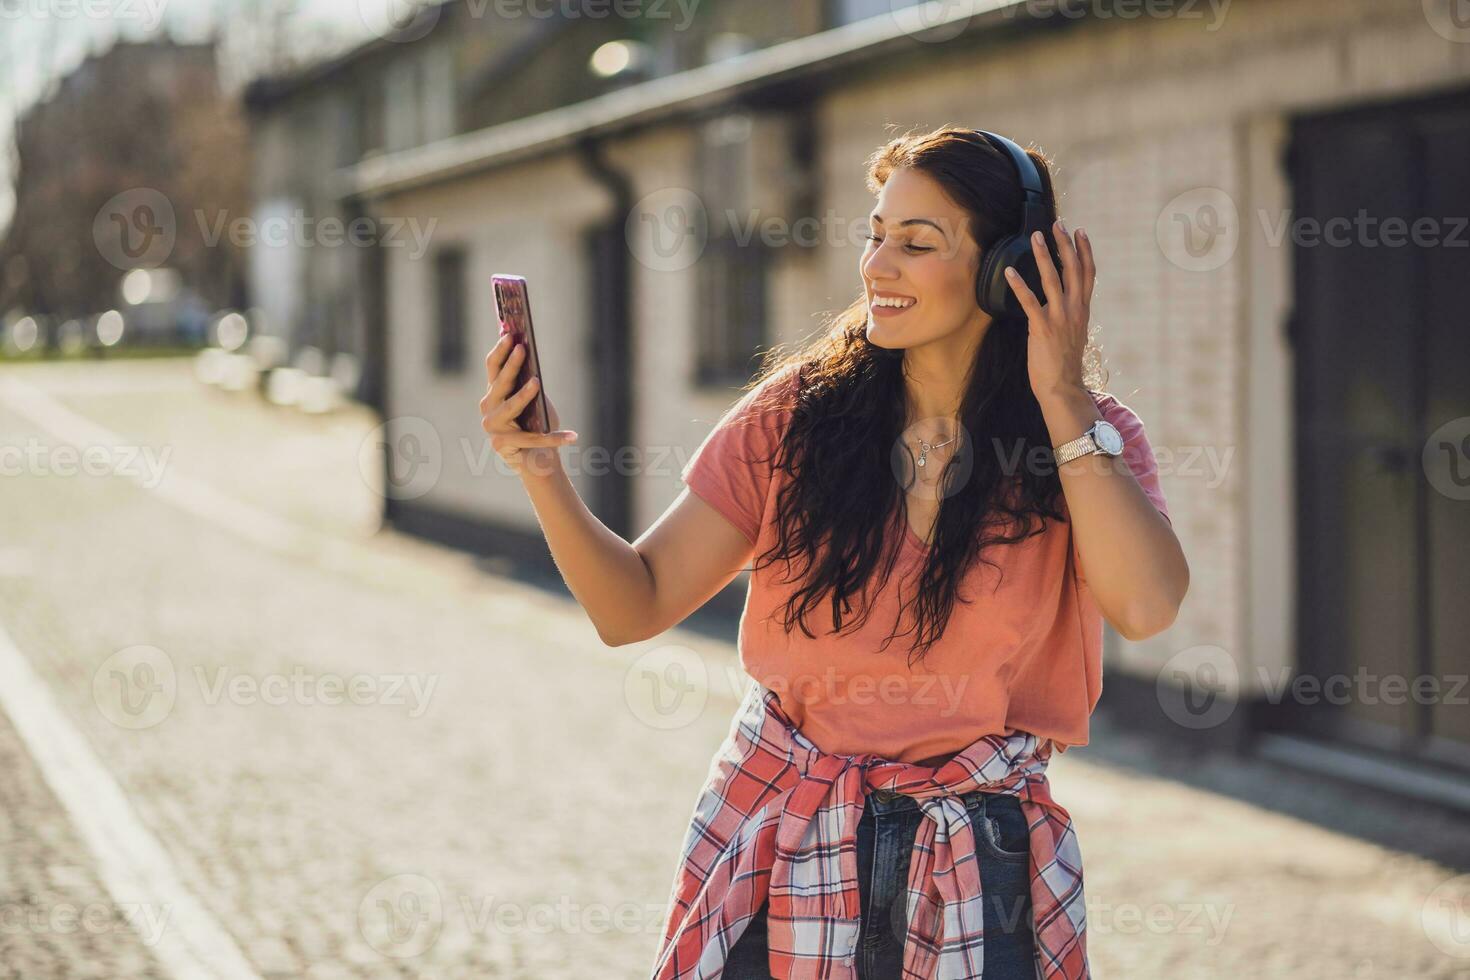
point(513, 307)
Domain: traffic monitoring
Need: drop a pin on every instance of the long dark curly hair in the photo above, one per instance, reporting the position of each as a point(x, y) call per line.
point(842, 513)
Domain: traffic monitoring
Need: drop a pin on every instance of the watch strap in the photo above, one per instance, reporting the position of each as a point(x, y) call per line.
point(1081, 446)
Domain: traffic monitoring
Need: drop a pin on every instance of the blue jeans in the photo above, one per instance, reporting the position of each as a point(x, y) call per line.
point(885, 841)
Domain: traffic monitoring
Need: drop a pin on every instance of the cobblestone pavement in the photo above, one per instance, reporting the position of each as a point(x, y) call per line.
point(56, 918)
point(368, 757)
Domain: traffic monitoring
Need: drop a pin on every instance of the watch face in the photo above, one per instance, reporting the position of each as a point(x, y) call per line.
point(1108, 438)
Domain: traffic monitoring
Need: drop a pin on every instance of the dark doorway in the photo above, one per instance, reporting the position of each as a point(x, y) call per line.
point(1381, 334)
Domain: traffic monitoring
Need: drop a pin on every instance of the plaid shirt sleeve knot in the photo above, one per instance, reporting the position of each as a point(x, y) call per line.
point(777, 819)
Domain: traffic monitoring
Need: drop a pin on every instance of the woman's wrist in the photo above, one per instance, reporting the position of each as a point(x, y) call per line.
point(541, 464)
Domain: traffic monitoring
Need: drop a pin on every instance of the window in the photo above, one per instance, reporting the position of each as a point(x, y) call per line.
point(401, 105)
point(437, 90)
point(847, 11)
point(732, 271)
point(732, 323)
point(449, 310)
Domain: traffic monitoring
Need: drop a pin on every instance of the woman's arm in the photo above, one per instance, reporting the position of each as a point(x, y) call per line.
point(1132, 559)
point(1134, 564)
point(630, 591)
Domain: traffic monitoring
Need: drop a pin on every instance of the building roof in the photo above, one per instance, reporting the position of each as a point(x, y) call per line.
point(266, 90)
point(688, 92)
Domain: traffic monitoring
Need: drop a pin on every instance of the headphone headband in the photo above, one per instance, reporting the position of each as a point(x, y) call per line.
point(1025, 167)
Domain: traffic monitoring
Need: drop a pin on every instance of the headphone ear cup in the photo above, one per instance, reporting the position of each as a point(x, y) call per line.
point(985, 277)
point(992, 290)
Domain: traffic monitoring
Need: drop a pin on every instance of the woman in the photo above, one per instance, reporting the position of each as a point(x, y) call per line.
point(871, 815)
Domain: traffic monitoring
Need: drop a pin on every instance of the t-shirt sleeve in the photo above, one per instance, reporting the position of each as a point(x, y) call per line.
point(1137, 453)
point(732, 468)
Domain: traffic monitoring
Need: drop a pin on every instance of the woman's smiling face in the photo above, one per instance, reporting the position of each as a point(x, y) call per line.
point(920, 251)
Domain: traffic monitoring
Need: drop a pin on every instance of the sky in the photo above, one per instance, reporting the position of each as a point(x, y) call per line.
point(44, 39)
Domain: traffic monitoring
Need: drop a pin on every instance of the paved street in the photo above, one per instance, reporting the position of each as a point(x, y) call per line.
point(367, 756)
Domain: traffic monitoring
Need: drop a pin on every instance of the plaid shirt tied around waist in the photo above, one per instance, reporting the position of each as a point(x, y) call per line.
point(777, 819)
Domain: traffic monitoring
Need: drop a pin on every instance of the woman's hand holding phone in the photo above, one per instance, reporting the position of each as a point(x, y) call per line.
point(524, 451)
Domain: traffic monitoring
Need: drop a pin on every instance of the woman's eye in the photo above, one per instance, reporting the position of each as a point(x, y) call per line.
point(911, 248)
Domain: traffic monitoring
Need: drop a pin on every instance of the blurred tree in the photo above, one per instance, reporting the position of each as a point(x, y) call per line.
point(145, 120)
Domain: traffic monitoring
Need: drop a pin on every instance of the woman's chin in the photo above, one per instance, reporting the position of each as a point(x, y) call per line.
point(882, 335)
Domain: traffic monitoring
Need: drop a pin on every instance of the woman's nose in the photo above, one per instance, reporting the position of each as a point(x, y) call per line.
point(878, 266)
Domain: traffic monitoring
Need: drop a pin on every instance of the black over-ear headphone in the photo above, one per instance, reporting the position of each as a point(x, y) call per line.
point(992, 291)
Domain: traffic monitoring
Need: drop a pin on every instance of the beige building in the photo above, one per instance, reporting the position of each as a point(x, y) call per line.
point(1201, 151)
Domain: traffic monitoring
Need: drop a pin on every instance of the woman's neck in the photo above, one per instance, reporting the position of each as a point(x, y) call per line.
point(932, 393)
point(936, 374)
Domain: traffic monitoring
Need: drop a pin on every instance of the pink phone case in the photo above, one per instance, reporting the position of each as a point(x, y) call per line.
point(513, 307)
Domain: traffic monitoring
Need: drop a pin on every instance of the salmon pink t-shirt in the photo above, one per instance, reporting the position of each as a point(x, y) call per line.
point(1024, 656)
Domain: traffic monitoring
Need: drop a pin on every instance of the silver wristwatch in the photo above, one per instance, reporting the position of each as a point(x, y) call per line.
point(1103, 437)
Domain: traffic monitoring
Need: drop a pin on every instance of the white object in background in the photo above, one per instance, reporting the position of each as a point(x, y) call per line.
point(284, 386)
point(22, 335)
point(319, 395)
point(311, 360)
point(110, 328)
point(269, 351)
point(239, 372)
point(231, 330)
point(69, 337)
point(209, 366)
point(346, 371)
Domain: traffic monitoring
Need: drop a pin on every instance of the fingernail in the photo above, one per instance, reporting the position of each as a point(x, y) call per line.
point(1081, 233)
point(1010, 273)
point(1036, 237)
